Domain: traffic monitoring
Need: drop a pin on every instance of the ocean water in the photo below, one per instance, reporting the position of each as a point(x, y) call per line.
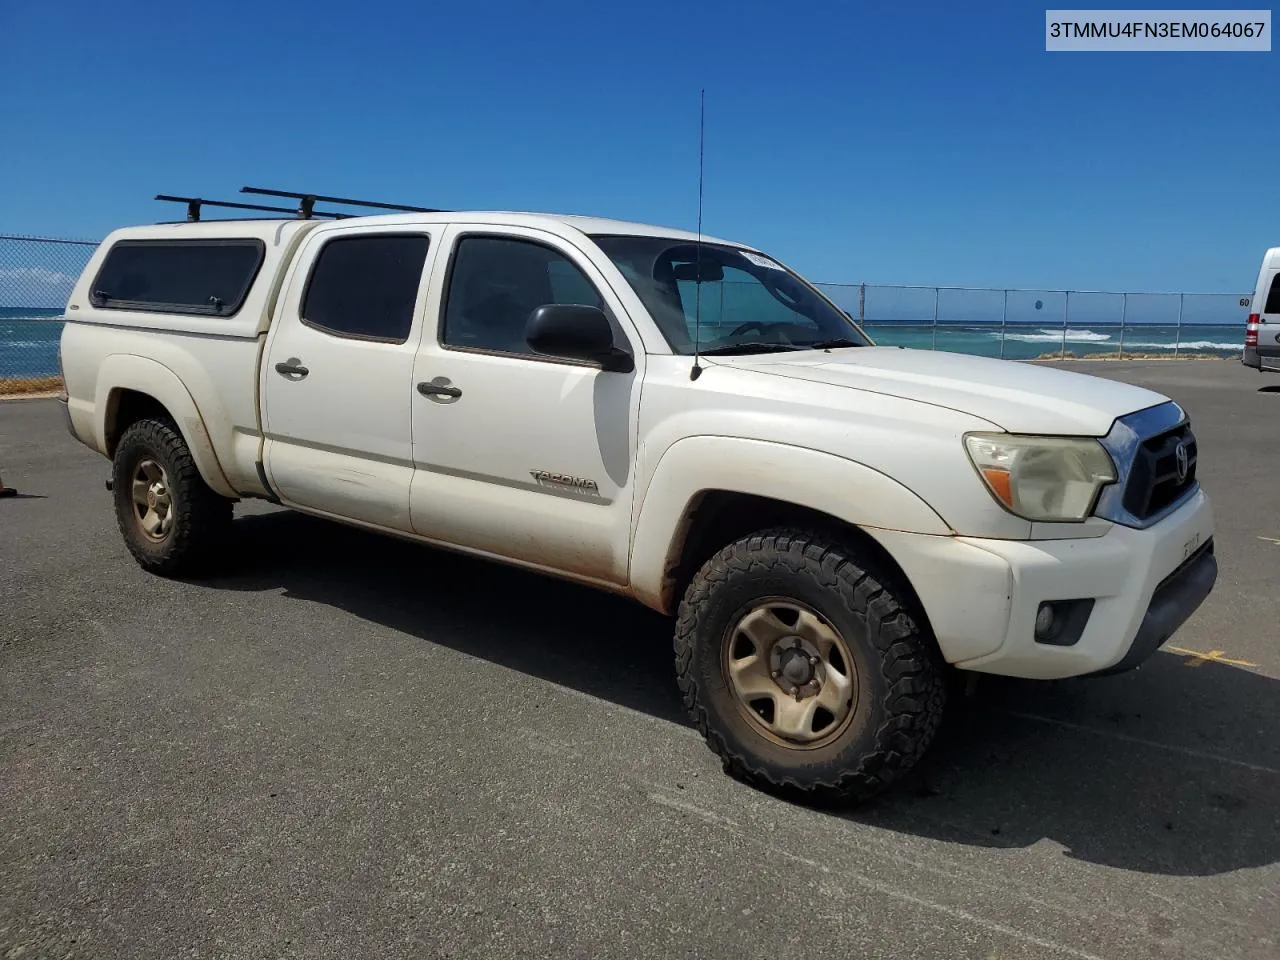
point(29, 340)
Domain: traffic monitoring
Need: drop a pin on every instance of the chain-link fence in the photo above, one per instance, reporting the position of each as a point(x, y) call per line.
point(36, 276)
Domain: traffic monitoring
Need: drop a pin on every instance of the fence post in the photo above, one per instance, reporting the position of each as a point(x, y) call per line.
point(1066, 314)
point(1004, 320)
point(862, 304)
point(1177, 342)
point(1124, 312)
point(935, 318)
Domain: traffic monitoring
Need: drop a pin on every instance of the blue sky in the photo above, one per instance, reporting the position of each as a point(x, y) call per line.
point(886, 142)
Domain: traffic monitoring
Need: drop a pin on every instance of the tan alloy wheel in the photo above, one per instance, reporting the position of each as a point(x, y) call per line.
point(791, 673)
point(152, 502)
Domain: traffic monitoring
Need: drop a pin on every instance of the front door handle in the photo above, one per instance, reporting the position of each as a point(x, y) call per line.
point(292, 368)
point(440, 387)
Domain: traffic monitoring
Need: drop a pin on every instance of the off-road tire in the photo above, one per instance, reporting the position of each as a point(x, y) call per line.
point(900, 675)
point(202, 518)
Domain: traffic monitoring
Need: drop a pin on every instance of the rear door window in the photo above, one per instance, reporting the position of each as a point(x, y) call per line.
point(1273, 297)
point(366, 287)
point(210, 277)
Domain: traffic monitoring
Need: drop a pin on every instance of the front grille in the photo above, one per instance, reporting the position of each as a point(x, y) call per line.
point(1154, 484)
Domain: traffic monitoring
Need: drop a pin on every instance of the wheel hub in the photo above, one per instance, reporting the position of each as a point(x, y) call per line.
point(794, 665)
point(796, 668)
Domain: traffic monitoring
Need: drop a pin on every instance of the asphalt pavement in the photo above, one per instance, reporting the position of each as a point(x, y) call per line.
point(351, 746)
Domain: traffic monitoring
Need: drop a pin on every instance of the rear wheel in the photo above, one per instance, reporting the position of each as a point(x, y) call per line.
point(803, 670)
point(171, 521)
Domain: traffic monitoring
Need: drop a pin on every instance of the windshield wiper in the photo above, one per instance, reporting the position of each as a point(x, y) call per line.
point(730, 349)
point(833, 343)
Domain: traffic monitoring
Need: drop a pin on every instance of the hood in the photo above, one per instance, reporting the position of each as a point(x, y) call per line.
point(1018, 397)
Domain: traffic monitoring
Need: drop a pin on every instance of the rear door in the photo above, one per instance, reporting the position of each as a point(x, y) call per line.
point(336, 381)
point(1266, 303)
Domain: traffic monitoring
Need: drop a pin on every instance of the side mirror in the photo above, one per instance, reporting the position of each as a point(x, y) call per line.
point(576, 332)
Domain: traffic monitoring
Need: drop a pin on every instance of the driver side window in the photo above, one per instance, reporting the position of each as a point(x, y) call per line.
point(497, 282)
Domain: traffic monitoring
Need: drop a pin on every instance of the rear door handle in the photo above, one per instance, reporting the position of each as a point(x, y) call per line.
point(292, 368)
point(439, 387)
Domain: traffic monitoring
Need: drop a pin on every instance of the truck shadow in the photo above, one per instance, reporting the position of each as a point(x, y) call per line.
point(1173, 769)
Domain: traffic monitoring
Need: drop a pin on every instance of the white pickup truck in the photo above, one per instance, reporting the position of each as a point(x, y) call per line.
point(835, 527)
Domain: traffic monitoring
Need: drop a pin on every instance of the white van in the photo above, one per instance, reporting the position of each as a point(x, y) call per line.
point(1262, 332)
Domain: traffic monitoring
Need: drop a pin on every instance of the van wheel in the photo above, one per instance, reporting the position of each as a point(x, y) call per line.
point(803, 670)
point(172, 522)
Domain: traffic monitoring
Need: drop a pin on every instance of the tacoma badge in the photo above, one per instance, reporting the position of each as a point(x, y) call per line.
point(564, 480)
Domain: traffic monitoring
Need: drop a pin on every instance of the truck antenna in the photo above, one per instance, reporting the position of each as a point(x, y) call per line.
point(697, 296)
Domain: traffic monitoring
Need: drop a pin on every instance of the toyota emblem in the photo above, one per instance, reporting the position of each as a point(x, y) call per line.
point(1182, 461)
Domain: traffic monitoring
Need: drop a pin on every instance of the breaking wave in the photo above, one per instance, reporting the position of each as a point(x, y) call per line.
point(1085, 335)
point(1049, 335)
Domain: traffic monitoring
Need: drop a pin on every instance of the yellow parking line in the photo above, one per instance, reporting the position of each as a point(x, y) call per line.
point(1197, 659)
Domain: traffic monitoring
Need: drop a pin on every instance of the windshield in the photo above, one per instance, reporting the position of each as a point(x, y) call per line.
point(744, 302)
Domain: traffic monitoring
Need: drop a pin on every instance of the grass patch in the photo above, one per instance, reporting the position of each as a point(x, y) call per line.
point(26, 386)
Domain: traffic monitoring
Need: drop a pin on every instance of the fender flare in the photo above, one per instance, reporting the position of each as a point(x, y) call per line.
point(845, 489)
point(126, 371)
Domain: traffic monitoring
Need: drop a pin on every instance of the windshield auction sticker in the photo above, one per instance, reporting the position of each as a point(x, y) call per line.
point(759, 261)
point(1125, 31)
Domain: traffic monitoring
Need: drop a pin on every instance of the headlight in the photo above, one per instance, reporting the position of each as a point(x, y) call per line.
point(1042, 478)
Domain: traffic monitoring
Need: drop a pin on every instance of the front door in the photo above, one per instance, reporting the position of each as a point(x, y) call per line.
point(521, 455)
point(337, 377)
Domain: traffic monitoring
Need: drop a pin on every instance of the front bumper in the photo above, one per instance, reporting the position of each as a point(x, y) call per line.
point(1177, 597)
point(982, 596)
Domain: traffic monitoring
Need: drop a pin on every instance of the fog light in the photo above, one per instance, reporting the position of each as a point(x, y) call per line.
point(1062, 622)
point(1046, 622)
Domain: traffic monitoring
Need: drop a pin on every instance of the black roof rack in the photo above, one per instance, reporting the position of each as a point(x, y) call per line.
point(306, 209)
point(307, 202)
point(195, 203)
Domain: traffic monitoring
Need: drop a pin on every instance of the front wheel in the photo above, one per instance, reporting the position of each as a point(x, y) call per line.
point(803, 669)
point(171, 521)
